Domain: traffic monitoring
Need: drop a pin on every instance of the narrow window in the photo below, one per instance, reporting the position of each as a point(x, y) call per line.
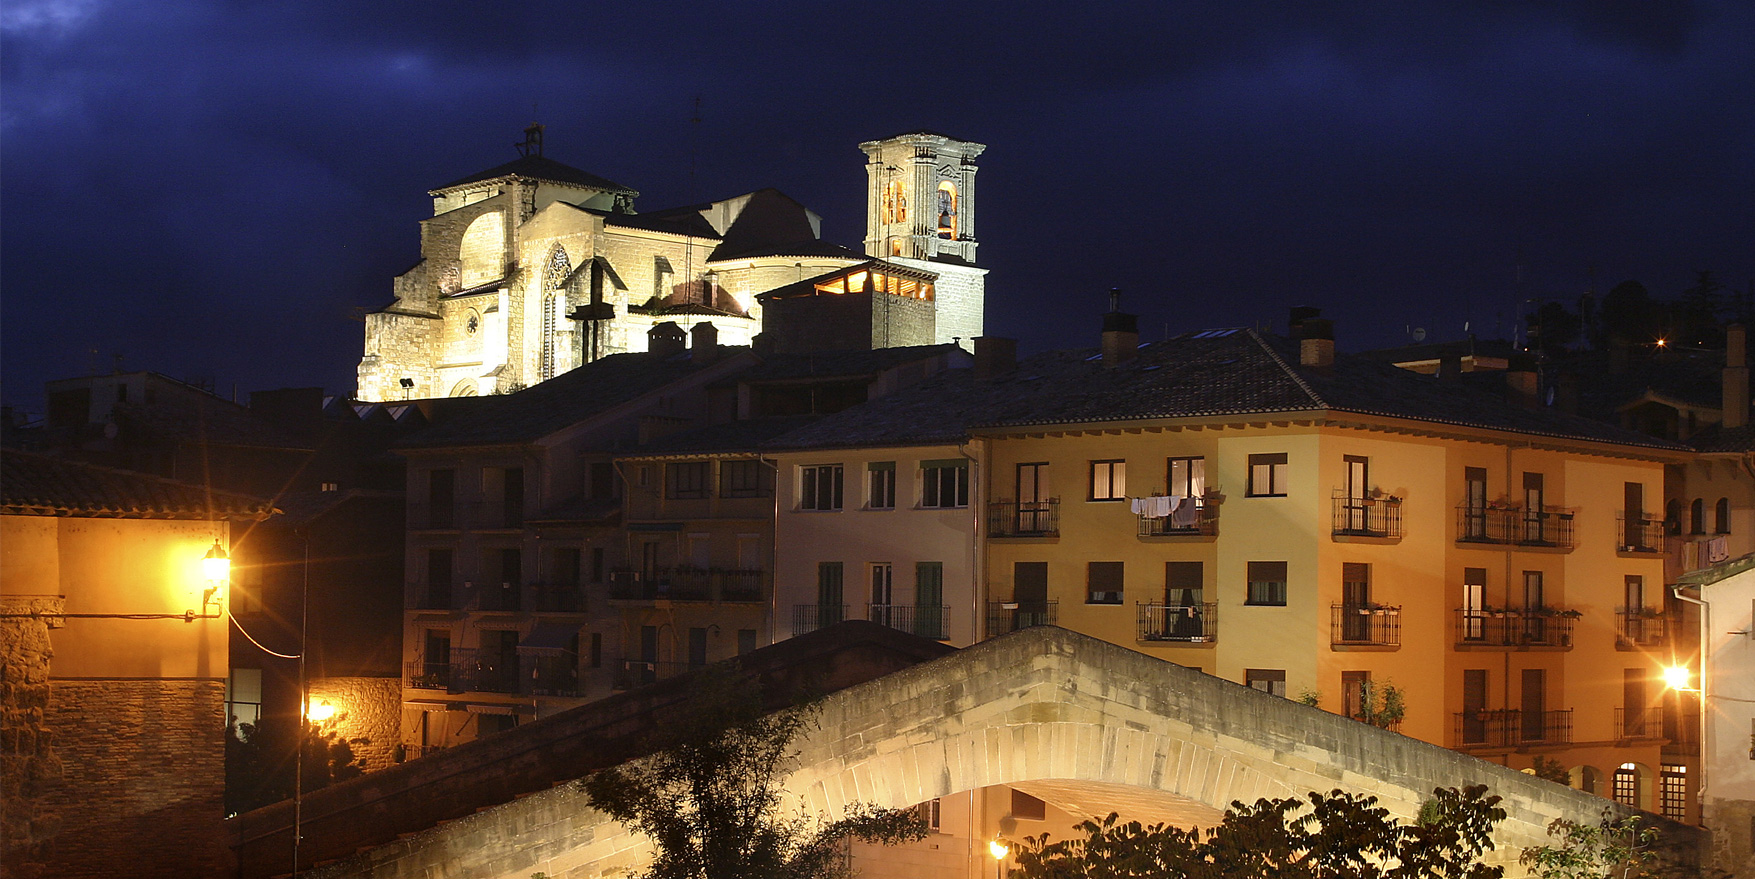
point(1267, 584)
point(1697, 516)
point(1474, 503)
point(1186, 477)
point(1721, 516)
point(881, 485)
point(831, 606)
point(596, 657)
point(1267, 475)
point(1355, 687)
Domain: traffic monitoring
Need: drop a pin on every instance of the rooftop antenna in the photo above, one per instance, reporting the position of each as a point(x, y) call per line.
point(532, 145)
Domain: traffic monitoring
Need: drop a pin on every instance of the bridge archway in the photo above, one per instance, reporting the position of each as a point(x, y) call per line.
point(1042, 709)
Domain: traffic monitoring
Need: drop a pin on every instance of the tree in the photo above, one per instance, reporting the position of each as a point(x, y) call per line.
point(710, 799)
point(1381, 705)
point(259, 773)
point(1342, 835)
point(1616, 848)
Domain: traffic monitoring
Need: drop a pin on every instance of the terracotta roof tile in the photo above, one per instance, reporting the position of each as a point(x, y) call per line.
point(38, 485)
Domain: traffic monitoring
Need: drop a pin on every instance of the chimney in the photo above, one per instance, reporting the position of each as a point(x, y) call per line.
point(1316, 342)
point(995, 356)
point(1449, 367)
point(1300, 314)
point(666, 339)
point(1521, 384)
point(704, 343)
point(1121, 333)
point(1736, 378)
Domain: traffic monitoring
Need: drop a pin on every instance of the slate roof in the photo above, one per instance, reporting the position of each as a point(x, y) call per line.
point(562, 401)
point(540, 168)
point(838, 364)
point(1718, 438)
point(38, 485)
point(205, 419)
point(736, 436)
point(1215, 373)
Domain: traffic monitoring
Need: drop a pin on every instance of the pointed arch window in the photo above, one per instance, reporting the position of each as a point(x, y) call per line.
point(554, 277)
point(947, 210)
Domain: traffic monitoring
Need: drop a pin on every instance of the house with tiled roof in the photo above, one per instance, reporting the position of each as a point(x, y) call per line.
point(1268, 511)
point(115, 637)
point(534, 267)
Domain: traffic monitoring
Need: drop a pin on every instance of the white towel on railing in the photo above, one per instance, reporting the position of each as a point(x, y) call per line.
point(1717, 550)
point(1154, 507)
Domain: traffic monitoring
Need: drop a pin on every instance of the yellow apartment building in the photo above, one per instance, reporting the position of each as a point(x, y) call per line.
point(1334, 530)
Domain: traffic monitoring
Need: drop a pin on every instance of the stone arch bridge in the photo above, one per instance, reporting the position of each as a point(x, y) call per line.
point(1042, 708)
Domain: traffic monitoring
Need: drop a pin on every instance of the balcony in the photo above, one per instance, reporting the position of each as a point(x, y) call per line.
point(1193, 517)
point(1184, 623)
point(555, 676)
point(1357, 625)
point(1639, 723)
point(423, 675)
point(1026, 519)
point(1010, 616)
point(926, 621)
point(684, 583)
point(429, 596)
point(483, 672)
point(499, 597)
point(1548, 527)
point(811, 617)
point(1379, 517)
point(1639, 627)
point(1504, 729)
point(558, 597)
point(1639, 533)
point(1515, 629)
point(633, 673)
point(432, 517)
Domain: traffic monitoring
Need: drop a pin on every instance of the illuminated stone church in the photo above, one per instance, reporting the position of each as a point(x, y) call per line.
point(534, 267)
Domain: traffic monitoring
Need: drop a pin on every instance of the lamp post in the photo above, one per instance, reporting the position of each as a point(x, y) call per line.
point(998, 849)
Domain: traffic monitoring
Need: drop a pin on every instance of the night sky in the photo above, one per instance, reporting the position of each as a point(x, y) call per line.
point(211, 190)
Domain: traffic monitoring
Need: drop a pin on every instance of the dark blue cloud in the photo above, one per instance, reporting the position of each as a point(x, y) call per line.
point(209, 189)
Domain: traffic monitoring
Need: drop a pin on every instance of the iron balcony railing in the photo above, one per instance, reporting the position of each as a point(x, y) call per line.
point(687, 584)
point(1187, 623)
point(1010, 616)
point(633, 673)
point(1541, 627)
point(433, 517)
point(811, 617)
point(1192, 517)
point(424, 675)
point(1365, 625)
point(1639, 723)
point(482, 671)
point(554, 676)
point(1546, 526)
point(498, 597)
point(1639, 627)
point(430, 596)
point(1367, 516)
point(1639, 533)
point(927, 621)
point(1008, 518)
point(1512, 728)
point(415, 752)
point(558, 597)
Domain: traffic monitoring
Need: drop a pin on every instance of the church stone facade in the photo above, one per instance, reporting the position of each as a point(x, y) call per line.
point(533, 268)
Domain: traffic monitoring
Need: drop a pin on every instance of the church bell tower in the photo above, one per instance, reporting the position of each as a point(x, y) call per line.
point(921, 197)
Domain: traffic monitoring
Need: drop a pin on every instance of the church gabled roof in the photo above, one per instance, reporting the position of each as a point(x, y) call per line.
point(541, 168)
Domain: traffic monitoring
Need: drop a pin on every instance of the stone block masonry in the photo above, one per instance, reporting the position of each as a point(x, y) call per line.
point(367, 716)
point(142, 791)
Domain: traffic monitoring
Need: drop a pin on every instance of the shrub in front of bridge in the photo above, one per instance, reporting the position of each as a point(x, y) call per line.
point(1334, 836)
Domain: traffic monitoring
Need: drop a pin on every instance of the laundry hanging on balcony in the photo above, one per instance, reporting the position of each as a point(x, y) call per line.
point(1155, 507)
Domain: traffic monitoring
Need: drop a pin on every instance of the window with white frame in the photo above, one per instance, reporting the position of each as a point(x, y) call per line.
point(819, 487)
point(945, 483)
point(880, 485)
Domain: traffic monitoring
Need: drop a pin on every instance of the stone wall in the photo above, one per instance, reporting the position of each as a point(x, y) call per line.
point(1733, 836)
point(30, 765)
point(367, 716)
point(143, 778)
